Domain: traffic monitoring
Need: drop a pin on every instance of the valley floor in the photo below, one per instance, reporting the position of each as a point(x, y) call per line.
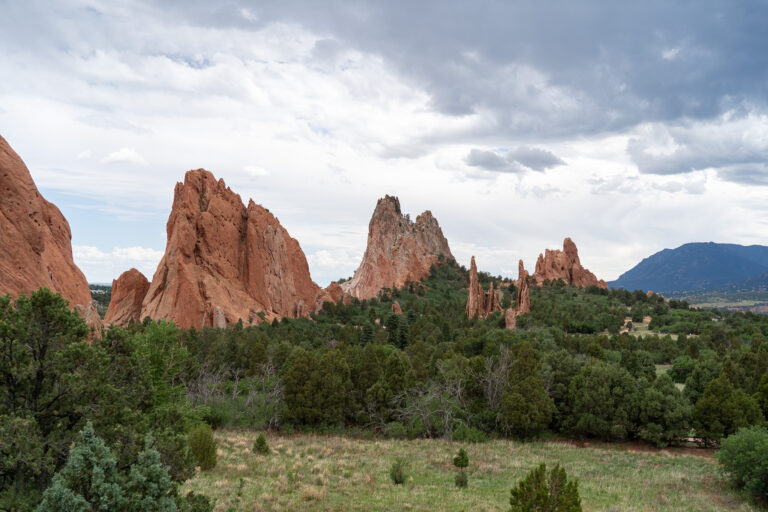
point(333, 473)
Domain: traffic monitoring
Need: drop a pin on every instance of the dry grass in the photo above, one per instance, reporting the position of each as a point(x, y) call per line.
point(332, 473)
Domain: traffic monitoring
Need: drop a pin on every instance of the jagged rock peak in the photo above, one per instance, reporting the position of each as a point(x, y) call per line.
point(555, 264)
point(226, 262)
point(479, 302)
point(523, 301)
point(35, 239)
point(128, 292)
point(398, 250)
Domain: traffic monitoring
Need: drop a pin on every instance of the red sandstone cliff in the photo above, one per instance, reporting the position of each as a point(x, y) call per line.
point(398, 250)
point(128, 292)
point(35, 240)
point(224, 261)
point(565, 265)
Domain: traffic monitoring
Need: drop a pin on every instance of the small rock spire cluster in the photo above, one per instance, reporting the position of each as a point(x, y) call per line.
point(481, 303)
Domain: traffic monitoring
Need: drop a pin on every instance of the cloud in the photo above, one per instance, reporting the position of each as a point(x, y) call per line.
point(256, 171)
point(124, 155)
point(103, 266)
point(513, 161)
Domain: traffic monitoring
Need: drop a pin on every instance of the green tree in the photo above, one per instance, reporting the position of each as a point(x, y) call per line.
point(744, 457)
point(664, 415)
point(539, 492)
point(44, 392)
point(605, 402)
point(526, 409)
point(88, 481)
point(722, 410)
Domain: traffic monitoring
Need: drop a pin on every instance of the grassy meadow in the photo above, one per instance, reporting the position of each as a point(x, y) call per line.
point(333, 473)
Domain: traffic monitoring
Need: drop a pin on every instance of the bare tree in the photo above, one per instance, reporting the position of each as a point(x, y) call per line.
point(205, 386)
point(269, 387)
point(494, 377)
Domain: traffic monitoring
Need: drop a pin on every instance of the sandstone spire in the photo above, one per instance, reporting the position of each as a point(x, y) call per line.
point(523, 302)
point(226, 262)
point(565, 265)
point(35, 240)
point(398, 250)
point(479, 302)
point(128, 292)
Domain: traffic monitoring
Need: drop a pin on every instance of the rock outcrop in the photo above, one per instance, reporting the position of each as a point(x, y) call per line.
point(396, 309)
point(333, 293)
point(555, 264)
point(90, 314)
point(398, 250)
point(35, 240)
point(481, 303)
point(226, 262)
point(128, 292)
point(523, 301)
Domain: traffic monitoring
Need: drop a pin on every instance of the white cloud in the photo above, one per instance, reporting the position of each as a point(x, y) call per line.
point(85, 154)
point(256, 171)
point(124, 155)
point(100, 266)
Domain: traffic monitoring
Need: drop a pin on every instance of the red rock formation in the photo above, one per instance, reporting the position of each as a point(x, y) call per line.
point(479, 302)
point(565, 265)
point(35, 240)
point(128, 292)
point(398, 250)
point(225, 262)
point(396, 309)
point(523, 302)
point(333, 293)
point(92, 319)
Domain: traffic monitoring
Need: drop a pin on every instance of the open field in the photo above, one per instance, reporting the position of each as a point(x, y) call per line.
point(332, 473)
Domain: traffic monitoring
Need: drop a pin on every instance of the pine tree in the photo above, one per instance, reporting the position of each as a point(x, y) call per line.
point(538, 492)
point(88, 481)
point(149, 486)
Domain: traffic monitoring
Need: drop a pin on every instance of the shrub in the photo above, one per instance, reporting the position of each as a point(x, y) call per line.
point(744, 457)
point(261, 446)
point(461, 460)
point(538, 492)
point(214, 417)
point(398, 470)
point(202, 445)
point(461, 479)
point(194, 503)
point(470, 434)
point(395, 430)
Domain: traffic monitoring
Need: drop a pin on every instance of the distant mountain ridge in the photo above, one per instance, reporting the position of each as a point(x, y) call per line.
point(698, 267)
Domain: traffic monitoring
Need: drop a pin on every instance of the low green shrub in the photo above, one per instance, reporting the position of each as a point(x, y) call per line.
point(202, 446)
point(261, 446)
point(539, 492)
point(744, 456)
point(470, 434)
point(398, 471)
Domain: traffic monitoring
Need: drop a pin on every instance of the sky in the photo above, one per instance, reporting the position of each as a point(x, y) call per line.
point(629, 126)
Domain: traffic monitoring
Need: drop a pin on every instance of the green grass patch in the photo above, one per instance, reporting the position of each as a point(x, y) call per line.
point(333, 473)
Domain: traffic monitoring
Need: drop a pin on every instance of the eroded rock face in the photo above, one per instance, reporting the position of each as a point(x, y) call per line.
point(90, 314)
point(565, 265)
point(35, 240)
point(523, 301)
point(398, 250)
point(128, 292)
point(396, 309)
point(226, 262)
point(481, 303)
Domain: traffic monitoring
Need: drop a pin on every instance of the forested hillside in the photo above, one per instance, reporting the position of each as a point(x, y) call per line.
point(584, 363)
point(694, 267)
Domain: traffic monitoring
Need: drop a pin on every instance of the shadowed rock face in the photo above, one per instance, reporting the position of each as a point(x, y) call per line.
point(398, 250)
point(565, 265)
point(128, 292)
point(226, 262)
point(35, 240)
point(479, 302)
